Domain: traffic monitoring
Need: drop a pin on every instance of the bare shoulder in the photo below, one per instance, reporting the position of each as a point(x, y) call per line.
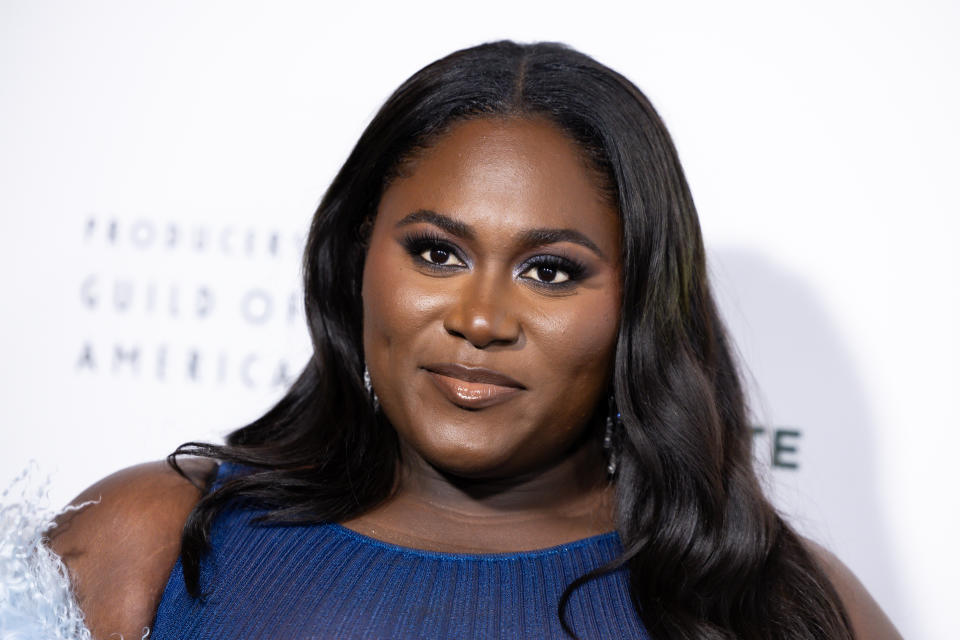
point(866, 616)
point(121, 549)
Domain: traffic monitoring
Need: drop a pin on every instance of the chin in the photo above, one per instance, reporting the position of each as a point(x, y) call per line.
point(469, 460)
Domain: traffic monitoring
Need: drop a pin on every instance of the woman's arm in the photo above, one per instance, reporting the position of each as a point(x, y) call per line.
point(868, 619)
point(120, 550)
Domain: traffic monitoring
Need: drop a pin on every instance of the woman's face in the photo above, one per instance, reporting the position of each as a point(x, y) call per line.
point(491, 299)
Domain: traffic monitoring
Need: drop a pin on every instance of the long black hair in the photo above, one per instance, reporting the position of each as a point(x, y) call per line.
point(708, 556)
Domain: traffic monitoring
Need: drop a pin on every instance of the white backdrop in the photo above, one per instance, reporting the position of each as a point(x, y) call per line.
point(159, 165)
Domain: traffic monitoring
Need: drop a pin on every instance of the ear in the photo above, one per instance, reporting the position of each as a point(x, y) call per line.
point(365, 229)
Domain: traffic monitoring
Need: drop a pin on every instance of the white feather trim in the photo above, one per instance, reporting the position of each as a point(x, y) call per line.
point(36, 602)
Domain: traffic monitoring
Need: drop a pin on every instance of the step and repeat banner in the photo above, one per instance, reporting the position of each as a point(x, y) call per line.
point(159, 166)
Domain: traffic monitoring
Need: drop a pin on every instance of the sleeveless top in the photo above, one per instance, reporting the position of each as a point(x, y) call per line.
point(319, 581)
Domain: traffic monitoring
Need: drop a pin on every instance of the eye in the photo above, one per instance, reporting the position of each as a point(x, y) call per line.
point(546, 273)
point(432, 251)
point(553, 271)
point(440, 256)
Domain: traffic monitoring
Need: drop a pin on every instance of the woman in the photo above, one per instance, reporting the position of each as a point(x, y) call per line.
point(521, 419)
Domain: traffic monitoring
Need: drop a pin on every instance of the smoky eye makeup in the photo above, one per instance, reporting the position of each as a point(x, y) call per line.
point(553, 271)
point(438, 250)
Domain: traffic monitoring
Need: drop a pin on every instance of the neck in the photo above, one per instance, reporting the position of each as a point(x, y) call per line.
point(559, 487)
point(429, 509)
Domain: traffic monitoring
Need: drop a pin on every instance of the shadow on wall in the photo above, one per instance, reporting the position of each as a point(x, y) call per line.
point(816, 432)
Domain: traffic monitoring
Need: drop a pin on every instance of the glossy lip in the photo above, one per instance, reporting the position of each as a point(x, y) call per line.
point(472, 387)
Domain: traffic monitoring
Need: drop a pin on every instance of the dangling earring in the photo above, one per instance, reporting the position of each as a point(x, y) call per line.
point(613, 422)
point(369, 387)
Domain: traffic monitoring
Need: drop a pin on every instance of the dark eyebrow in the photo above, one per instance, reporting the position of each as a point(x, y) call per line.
point(448, 224)
point(529, 238)
point(538, 237)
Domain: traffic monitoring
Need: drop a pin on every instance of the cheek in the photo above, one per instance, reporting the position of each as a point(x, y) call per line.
point(394, 308)
point(580, 341)
point(597, 332)
point(383, 315)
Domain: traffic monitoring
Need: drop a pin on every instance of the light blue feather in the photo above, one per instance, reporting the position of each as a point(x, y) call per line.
point(36, 602)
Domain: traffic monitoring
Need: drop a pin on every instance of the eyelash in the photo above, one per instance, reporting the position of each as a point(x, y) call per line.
point(417, 243)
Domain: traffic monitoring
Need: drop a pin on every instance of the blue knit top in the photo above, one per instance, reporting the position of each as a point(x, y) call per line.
point(326, 581)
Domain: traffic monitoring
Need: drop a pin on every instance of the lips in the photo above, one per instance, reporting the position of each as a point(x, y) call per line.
point(472, 387)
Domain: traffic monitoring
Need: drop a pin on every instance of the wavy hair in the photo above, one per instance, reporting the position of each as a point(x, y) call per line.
point(708, 556)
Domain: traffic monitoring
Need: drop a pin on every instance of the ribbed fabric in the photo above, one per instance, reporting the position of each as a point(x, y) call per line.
point(326, 581)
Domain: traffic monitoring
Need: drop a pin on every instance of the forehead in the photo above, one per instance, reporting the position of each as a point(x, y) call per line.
point(505, 174)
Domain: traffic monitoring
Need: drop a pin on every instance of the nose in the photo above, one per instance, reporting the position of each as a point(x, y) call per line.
point(483, 313)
